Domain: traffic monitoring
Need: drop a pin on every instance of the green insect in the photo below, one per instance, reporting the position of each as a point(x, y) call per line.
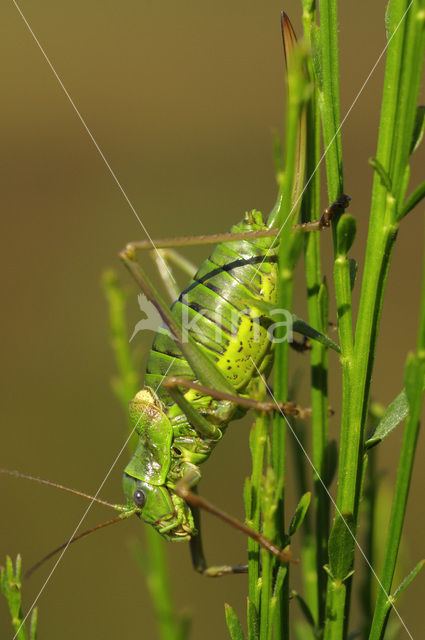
point(218, 361)
point(214, 346)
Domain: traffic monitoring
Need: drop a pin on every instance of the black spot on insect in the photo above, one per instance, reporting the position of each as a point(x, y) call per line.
point(240, 349)
point(176, 451)
point(228, 368)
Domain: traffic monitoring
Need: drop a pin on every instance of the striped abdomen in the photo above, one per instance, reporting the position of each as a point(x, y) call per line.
point(215, 308)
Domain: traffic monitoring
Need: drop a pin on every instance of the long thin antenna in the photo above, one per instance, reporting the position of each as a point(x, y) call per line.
point(18, 474)
point(68, 542)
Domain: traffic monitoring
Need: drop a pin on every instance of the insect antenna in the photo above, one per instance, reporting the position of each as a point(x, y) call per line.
point(66, 544)
point(24, 476)
point(125, 513)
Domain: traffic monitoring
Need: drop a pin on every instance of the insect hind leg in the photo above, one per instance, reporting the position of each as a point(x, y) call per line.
point(163, 259)
point(183, 489)
point(198, 557)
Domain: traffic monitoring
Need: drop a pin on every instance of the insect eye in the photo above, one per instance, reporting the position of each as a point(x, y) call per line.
point(139, 498)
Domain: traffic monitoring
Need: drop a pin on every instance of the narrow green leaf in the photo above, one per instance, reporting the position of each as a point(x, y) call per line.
point(345, 233)
point(302, 327)
point(408, 579)
point(395, 413)
point(33, 625)
point(299, 514)
point(304, 608)
point(281, 574)
point(280, 578)
point(10, 584)
point(418, 129)
point(183, 627)
point(315, 51)
point(381, 171)
point(323, 303)
point(253, 620)
point(341, 546)
point(412, 201)
point(233, 623)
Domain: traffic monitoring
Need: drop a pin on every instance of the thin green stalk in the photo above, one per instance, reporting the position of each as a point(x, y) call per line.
point(402, 74)
point(11, 587)
point(126, 385)
point(289, 250)
point(326, 41)
point(317, 313)
point(413, 382)
point(330, 100)
point(403, 68)
point(253, 489)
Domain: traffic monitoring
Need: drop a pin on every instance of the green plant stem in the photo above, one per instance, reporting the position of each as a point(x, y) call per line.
point(257, 440)
point(402, 74)
point(337, 598)
point(369, 510)
point(414, 377)
point(317, 313)
point(11, 587)
point(289, 251)
point(401, 70)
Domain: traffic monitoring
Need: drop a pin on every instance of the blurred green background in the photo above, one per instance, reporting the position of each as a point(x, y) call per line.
point(182, 99)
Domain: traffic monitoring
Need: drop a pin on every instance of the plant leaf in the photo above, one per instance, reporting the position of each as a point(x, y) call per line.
point(316, 47)
point(33, 625)
point(233, 623)
point(253, 619)
point(407, 580)
point(304, 608)
point(299, 514)
point(382, 172)
point(323, 303)
point(302, 327)
point(10, 585)
point(395, 413)
point(412, 201)
point(341, 546)
point(418, 129)
point(346, 233)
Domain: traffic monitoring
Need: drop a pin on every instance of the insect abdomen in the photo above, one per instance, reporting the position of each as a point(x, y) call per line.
point(215, 307)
